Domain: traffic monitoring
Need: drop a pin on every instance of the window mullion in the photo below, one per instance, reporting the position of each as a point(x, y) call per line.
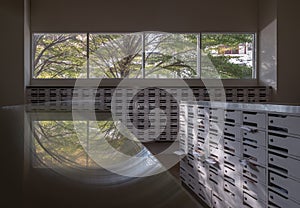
point(88, 55)
point(199, 55)
point(143, 55)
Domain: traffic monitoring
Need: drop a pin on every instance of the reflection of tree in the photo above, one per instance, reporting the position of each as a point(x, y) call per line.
point(108, 130)
point(56, 143)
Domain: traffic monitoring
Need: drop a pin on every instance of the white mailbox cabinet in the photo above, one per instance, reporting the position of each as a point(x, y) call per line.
point(241, 155)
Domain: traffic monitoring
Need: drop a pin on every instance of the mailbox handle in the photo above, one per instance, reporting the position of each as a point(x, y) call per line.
point(251, 130)
point(210, 161)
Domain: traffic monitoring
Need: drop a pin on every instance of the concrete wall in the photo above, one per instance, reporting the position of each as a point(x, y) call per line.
point(288, 75)
point(11, 53)
point(279, 65)
point(137, 15)
point(267, 47)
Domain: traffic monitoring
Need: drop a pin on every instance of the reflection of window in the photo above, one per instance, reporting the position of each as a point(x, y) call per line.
point(143, 55)
point(60, 144)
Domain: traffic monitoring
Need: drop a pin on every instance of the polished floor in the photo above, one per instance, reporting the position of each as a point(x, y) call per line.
point(30, 179)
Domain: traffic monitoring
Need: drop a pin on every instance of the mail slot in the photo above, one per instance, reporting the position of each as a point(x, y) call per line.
point(282, 202)
point(252, 202)
point(287, 144)
point(192, 110)
point(255, 154)
point(255, 172)
point(257, 138)
point(233, 116)
point(217, 202)
point(216, 151)
point(286, 165)
point(232, 176)
point(255, 189)
point(183, 175)
point(233, 132)
point(233, 147)
point(202, 172)
point(215, 137)
point(216, 114)
point(254, 119)
point(287, 187)
point(232, 194)
point(233, 162)
point(203, 112)
point(216, 127)
point(284, 123)
point(215, 182)
point(192, 181)
point(204, 193)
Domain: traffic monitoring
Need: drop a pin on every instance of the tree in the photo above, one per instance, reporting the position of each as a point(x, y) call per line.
point(113, 55)
point(121, 55)
point(59, 55)
point(221, 66)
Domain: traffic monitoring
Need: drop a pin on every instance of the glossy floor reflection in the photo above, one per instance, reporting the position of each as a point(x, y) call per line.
point(46, 164)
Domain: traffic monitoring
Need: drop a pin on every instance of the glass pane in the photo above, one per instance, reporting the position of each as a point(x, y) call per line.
point(227, 56)
point(115, 55)
point(170, 55)
point(59, 56)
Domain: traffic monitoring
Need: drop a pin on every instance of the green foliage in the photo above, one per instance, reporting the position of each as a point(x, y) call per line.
point(115, 56)
point(120, 55)
point(220, 67)
point(213, 40)
point(170, 56)
point(59, 55)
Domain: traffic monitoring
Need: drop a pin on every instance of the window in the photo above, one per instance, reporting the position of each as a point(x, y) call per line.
point(227, 56)
point(143, 55)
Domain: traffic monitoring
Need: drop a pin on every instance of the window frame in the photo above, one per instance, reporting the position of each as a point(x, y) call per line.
point(113, 82)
